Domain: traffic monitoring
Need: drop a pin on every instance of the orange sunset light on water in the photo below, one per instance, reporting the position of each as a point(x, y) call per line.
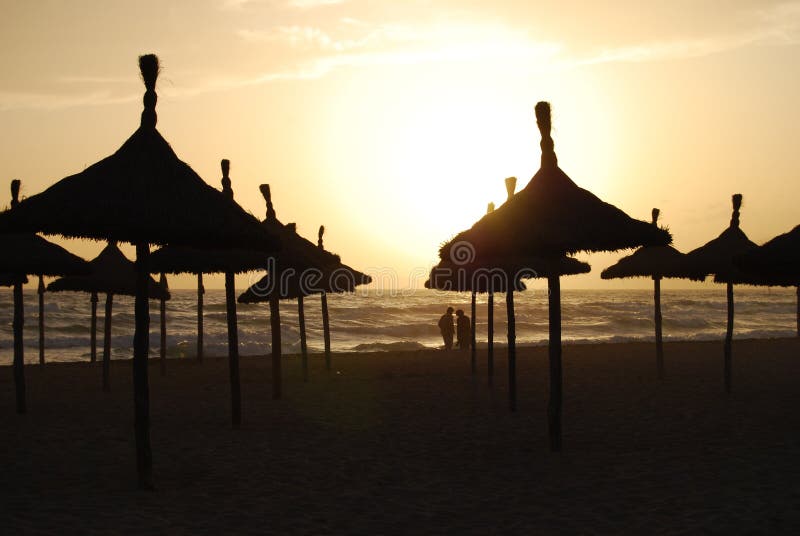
point(395, 123)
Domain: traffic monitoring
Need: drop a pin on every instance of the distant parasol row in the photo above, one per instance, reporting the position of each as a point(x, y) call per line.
point(532, 233)
point(143, 194)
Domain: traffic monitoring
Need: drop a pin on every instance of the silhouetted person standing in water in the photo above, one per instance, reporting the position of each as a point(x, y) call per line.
point(463, 330)
point(446, 327)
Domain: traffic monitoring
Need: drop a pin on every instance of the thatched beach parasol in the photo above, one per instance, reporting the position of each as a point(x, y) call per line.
point(145, 195)
point(716, 257)
point(178, 259)
point(110, 273)
point(300, 269)
point(26, 253)
point(778, 261)
point(657, 262)
point(552, 217)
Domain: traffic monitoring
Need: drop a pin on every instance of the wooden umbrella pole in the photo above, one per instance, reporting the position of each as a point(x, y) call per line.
point(301, 320)
point(512, 349)
point(326, 331)
point(729, 340)
point(200, 292)
point(275, 328)
point(40, 290)
point(659, 338)
point(233, 350)
point(93, 329)
point(163, 325)
point(473, 356)
point(554, 406)
point(798, 311)
point(141, 387)
point(107, 343)
point(19, 349)
point(490, 320)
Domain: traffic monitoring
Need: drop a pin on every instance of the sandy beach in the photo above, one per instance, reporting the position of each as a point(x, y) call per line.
point(411, 443)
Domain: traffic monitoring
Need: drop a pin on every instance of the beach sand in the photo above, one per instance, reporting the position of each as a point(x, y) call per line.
point(411, 443)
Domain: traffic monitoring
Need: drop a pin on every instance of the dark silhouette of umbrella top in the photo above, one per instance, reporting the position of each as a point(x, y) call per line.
point(111, 273)
point(552, 216)
point(716, 257)
point(778, 259)
point(30, 254)
point(141, 194)
point(302, 267)
point(652, 261)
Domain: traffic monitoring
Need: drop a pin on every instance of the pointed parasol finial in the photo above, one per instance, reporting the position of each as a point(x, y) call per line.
point(542, 110)
point(319, 236)
point(148, 65)
point(15, 184)
point(489, 208)
point(268, 198)
point(737, 204)
point(511, 185)
point(225, 164)
point(656, 212)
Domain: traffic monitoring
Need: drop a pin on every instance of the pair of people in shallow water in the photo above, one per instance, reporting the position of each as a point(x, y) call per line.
point(462, 329)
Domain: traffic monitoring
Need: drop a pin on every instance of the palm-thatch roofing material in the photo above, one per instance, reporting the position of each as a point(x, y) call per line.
point(450, 275)
point(552, 216)
point(30, 254)
point(653, 261)
point(716, 257)
point(109, 273)
point(778, 259)
point(141, 193)
point(303, 268)
point(7, 280)
point(145, 195)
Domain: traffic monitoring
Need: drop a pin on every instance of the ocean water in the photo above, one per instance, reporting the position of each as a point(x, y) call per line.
point(374, 320)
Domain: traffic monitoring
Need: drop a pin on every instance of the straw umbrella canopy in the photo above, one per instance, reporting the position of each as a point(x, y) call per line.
point(716, 257)
point(142, 194)
point(181, 259)
point(777, 262)
point(656, 262)
point(300, 269)
point(8, 280)
point(27, 253)
point(552, 217)
point(110, 273)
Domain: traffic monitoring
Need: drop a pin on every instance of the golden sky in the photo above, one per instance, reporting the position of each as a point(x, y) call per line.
point(395, 123)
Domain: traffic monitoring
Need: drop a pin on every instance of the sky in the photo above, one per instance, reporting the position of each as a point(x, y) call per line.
point(395, 123)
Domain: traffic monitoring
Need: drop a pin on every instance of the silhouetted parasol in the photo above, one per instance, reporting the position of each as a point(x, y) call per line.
point(657, 262)
point(145, 195)
point(110, 273)
point(716, 257)
point(777, 262)
point(27, 253)
point(552, 217)
point(302, 269)
point(179, 259)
